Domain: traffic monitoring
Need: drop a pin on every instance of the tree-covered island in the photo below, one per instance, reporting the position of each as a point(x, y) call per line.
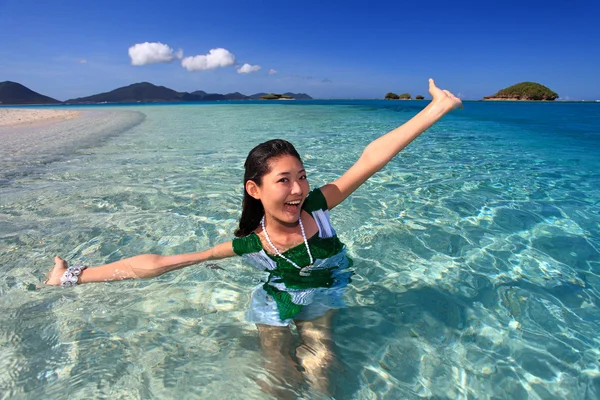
point(394, 96)
point(275, 96)
point(524, 91)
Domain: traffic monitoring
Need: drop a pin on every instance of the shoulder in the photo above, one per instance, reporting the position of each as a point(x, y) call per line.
point(315, 201)
point(247, 244)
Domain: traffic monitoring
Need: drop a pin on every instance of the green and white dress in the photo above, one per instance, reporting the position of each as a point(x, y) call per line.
point(287, 294)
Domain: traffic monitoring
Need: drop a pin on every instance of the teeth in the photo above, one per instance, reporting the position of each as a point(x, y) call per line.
point(293, 203)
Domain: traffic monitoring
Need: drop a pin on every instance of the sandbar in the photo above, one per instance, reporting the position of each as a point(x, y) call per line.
point(31, 144)
point(24, 116)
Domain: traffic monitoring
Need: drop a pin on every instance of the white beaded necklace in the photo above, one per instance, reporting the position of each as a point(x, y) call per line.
point(304, 271)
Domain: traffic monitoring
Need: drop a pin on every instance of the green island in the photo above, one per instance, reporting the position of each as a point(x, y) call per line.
point(274, 96)
point(525, 91)
point(403, 96)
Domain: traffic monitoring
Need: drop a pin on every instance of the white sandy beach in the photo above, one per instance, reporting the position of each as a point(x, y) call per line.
point(32, 138)
point(20, 116)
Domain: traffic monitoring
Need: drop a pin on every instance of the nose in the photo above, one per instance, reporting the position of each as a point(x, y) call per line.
point(296, 189)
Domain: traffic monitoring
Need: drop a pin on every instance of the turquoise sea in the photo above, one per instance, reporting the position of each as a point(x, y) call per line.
point(476, 251)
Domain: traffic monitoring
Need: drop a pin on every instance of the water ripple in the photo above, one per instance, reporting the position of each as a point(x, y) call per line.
point(476, 254)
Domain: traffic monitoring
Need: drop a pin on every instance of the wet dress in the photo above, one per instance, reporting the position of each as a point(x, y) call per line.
point(288, 293)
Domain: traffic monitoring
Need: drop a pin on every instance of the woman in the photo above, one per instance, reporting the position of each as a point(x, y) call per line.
point(285, 230)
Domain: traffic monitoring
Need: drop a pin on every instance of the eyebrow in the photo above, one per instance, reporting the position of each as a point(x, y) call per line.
point(289, 173)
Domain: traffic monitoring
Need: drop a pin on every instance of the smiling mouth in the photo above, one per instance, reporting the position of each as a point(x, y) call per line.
point(292, 206)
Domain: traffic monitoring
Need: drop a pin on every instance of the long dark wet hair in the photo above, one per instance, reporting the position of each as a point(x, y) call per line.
point(257, 166)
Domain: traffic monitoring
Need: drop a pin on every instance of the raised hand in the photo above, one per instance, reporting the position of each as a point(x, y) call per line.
point(443, 98)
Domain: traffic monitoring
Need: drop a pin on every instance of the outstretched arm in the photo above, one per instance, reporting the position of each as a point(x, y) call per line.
point(379, 152)
point(143, 266)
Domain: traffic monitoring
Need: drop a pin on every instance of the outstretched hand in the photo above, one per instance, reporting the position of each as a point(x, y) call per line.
point(443, 98)
point(54, 275)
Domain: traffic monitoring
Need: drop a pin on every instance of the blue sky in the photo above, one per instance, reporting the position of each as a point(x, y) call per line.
point(328, 49)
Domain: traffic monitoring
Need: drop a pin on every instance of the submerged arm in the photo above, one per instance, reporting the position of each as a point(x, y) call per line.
point(142, 266)
point(379, 152)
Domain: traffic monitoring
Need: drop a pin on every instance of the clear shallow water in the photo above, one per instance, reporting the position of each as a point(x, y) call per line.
point(475, 252)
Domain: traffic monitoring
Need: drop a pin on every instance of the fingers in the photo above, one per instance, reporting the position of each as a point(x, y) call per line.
point(432, 87)
point(431, 84)
point(434, 91)
point(59, 262)
point(443, 94)
point(450, 95)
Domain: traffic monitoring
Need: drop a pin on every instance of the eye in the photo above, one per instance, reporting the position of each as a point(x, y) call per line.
point(283, 180)
point(303, 177)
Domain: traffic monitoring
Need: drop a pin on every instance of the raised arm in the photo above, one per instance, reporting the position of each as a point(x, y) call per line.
point(143, 266)
point(379, 152)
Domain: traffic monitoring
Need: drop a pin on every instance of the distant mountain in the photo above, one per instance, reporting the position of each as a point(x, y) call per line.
point(216, 96)
point(298, 96)
point(138, 92)
point(15, 93)
point(237, 96)
point(203, 96)
point(145, 92)
point(276, 96)
point(199, 93)
point(257, 96)
point(295, 96)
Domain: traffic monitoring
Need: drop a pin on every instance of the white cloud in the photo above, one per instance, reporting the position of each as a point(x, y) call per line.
point(152, 53)
point(216, 58)
point(247, 68)
point(272, 71)
point(82, 61)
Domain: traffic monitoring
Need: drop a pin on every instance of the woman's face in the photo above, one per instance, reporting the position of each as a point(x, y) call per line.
point(283, 189)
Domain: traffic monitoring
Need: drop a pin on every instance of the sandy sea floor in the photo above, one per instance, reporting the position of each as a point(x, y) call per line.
point(475, 252)
point(17, 116)
point(32, 138)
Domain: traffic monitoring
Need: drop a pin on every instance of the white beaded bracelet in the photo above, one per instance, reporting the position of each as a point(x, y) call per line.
point(71, 275)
